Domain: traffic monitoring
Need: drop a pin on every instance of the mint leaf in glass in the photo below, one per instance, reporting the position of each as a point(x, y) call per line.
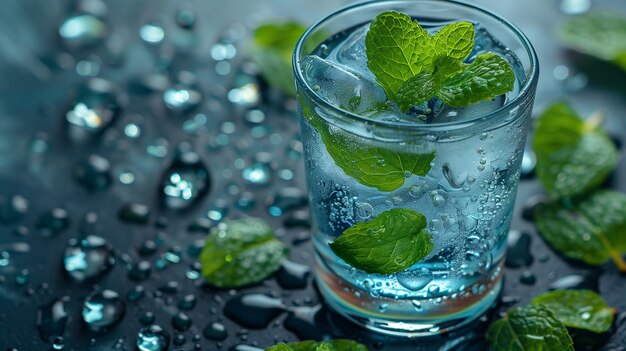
point(579, 309)
point(590, 229)
point(390, 243)
point(532, 327)
point(330, 345)
point(573, 156)
point(600, 35)
point(413, 66)
point(377, 167)
point(241, 252)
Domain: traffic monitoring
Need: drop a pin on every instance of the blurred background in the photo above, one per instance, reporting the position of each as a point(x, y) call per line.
point(100, 100)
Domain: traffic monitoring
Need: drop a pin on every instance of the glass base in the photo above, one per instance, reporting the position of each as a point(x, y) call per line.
point(400, 318)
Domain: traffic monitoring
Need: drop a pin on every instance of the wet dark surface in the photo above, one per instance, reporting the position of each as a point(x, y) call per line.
point(60, 182)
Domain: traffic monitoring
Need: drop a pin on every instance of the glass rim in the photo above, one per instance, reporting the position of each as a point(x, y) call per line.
point(525, 90)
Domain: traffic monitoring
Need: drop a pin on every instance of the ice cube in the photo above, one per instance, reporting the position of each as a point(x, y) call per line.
point(449, 114)
point(351, 52)
point(341, 86)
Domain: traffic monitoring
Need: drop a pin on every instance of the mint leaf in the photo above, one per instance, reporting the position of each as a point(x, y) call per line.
point(455, 41)
point(579, 309)
point(591, 229)
point(573, 156)
point(532, 328)
point(416, 90)
point(484, 79)
point(241, 252)
point(331, 345)
point(392, 242)
point(280, 347)
point(397, 48)
point(376, 167)
point(597, 34)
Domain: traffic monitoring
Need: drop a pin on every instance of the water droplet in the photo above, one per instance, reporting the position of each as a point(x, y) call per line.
point(188, 302)
point(364, 211)
point(576, 281)
point(185, 181)
point(136, 293)
point(415, 279)
point(257, 174)
point(246, 95)
point(437, 199)
point(94, 173)
point(52, 319)
point(528, 278)
point(223, 51)
point(171, 287)
point(293, 275)
point(153, 338)
point(147, 318)
point(82, 30)
point(215, 331)
point(181, 321)
point(182, 98)
point(23, 277)
point(218, 210)
point(159, 148)
point(140, 271)
point(529, 161)
point(185, 19)
point(254, 310)
point(528, 212)
point(298, 219)
point(135, 213)
point(88, 258)
point(575, 7)
point(95, 108)
point(418, 190)
point(417, 305)
point(434, 289)
point(152, 33)
point(53, 221)
point(308, 323)
point(255, 116)
point(103, 309)
point(518, 252)
point(13, 208)
point(455, 180)
point(286, 199)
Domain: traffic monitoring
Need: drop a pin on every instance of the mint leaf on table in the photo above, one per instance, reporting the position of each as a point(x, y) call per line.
point(573, 156)
point(413, 66)
point(331, 345)
point(600, 35)
point(590, 229)
point(579, 309)
point(377, 167)
point(241, 252)
point(390, 243)
point(532, 327)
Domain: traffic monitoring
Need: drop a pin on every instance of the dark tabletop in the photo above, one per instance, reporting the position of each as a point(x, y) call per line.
point(41, 160)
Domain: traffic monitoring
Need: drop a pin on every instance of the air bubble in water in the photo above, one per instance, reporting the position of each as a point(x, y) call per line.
point(415, 280)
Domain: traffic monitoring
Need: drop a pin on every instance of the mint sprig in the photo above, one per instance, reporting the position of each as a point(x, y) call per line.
point(310, 345)
point(241, 252)
point(390, 243)
point(413, 66)
point(573, 155)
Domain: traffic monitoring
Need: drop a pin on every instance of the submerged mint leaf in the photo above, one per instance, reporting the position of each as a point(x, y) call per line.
point(280, 347)
point(597, 34)
point(390, 243)
point(376, 167)
point(331, 345)
point(241, 252)
point(591, 229)
point(397, 48)
point(579, 309)
point(573, 156)
point(532, 327)
point(484, 79)
point(416, 90)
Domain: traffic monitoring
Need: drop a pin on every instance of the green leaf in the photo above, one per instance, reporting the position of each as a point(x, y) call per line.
point(392, 242)
point(416, 90)
point(597, 34)
point(331, 345)
point(241, 252)
point(530, 328)
point(397, 49)
point(579, 309)
point(573, 157)
point(377, 167)
point(455, 41)
point(280, 347)
point(590, 229)
point(487, 77)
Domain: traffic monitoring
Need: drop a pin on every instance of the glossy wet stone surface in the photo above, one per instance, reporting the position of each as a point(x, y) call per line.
point(57, 135)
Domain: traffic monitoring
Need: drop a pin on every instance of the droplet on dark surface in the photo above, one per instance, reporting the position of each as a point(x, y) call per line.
point(301, 237)
point(94, 110)
point(147, 318)
point(246, 201)
point(179, 340)
point(518, 250)
point(136, 293)
point(88, 258)
point(153, 338)
point(293, 275)
point(185, 181)
point(255, 311)
point(135, 213)
point(200, 225)
point(529, 161)
point(182, 98)
point(286, 199)
point(530, 206)
point(53, 221)
point(89, 223)
point(103, 309)
point(188, 302)
point(258, 173)
point(528, 278)
point(147, 248)
point(170, 287)
point(298, 219)
point(140, 271)
point(307, 322)
point(82, 30)
point(244, 348)
point(13, 208)
point(186, 19)
point(52, 319)
point(181, 321)
point(94, 173)
point(508, 300)
point(587, 281)
point(215, 331)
